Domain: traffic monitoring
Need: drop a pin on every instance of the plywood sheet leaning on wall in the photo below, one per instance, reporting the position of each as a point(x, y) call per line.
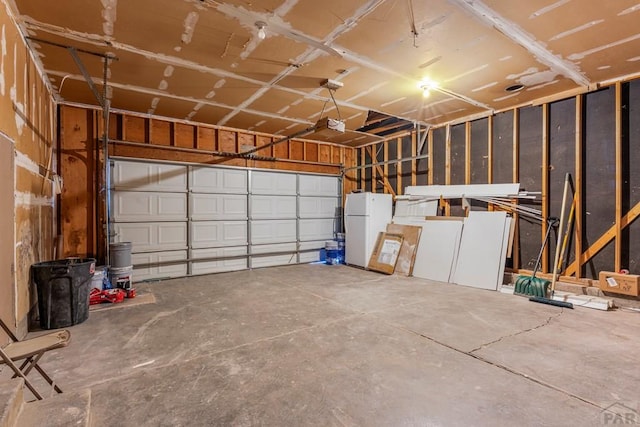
point(385, 253)
point(407, 255)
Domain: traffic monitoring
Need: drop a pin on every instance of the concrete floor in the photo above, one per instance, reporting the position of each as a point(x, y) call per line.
point(337, 346)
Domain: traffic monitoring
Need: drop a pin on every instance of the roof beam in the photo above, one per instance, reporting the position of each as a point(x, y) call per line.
point(489, 16)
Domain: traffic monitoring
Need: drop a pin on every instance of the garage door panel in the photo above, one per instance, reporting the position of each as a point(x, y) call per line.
point(161, 271)
point(316, 229)
point(209, 234)
point(318, 207)
point(218, 266)
point(276, 207)
point(154, 236)
point(273, 183)
point(218, 207)
point(140, 206)
point(218, 180)
point(277, 247)
point(273, 260)
point(139, 176)
point(316, 185)
point(273, 231)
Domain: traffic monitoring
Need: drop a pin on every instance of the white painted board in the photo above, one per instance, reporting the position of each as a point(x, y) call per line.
point(457, 191)
point(481, 249)
point(437, 249)
point(419, 208)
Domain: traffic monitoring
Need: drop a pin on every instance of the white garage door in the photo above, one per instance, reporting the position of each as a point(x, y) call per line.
point(187, 219)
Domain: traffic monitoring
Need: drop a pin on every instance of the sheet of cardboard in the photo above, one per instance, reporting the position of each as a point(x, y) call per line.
point(407, 255)
point(385, 253)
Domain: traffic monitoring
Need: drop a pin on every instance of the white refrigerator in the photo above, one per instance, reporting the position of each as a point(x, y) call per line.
point(365, 215)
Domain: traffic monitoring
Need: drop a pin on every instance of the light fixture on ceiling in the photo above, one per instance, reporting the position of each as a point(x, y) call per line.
point(426, 85)
point(261, 25)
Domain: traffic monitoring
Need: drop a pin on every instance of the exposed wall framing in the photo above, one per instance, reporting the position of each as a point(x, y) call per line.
point(592, 136)
point(143, 137)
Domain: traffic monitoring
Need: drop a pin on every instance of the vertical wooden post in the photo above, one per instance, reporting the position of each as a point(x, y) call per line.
point(545, 183)
point(467, 153)
point(414, 163)
point(490, 149)
point(618, 142)
point(399, 167)
point(363, 171)
point(447, 168)
point(430, 158)
point(579, 175)
point(385, 159)
point(516, 178)
point(373, 152)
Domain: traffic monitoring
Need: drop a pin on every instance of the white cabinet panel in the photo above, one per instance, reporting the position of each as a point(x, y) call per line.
point(273, 183)
point(273, 260)
point(280, 207)
point(218, 180)
point(142, 176)
point(217, 266)
point(140, 206)
point(316, 229)
point(208, 234)
point(273, 231)
point(218, 206)
point(315, 185)
point(152, 236)
point(161, 271)
point(318, 207)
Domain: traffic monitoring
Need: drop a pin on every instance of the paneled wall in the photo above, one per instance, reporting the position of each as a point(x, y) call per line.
point(595, 137)
point(143, 137)
point(27, 159)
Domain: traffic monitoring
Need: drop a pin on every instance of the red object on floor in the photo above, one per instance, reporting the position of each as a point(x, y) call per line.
point(108, 295)
point(131, 293)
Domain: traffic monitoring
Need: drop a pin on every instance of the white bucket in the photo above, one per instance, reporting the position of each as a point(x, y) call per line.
point(98, 278)
point(121, 277)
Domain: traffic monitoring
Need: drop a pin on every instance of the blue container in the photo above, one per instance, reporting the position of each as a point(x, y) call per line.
point(333, 252)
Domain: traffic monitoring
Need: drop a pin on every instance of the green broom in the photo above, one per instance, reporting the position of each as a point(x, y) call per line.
point(532, 285)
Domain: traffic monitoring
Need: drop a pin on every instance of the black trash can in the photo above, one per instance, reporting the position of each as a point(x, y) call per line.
point(63, 291)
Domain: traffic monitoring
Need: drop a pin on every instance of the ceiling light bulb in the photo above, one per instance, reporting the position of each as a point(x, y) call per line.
point(261, 32)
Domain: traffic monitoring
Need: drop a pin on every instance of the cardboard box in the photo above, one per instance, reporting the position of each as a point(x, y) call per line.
point(625, 284)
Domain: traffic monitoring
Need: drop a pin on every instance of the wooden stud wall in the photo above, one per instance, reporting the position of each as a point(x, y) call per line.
point(625, 210)
point(82, 212)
